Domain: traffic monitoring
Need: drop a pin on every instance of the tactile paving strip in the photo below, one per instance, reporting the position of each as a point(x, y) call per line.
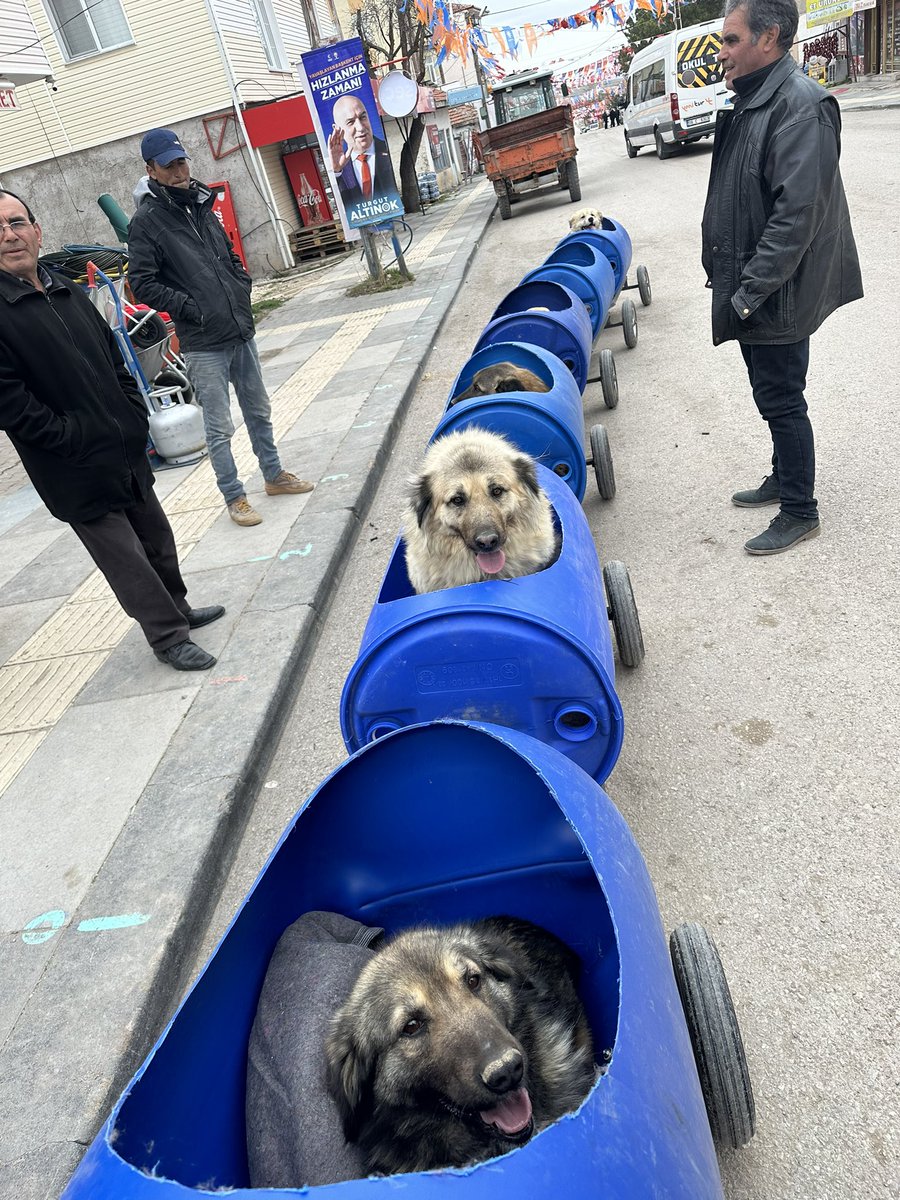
point(73, 628)
point(15, 751)
point(34, 695)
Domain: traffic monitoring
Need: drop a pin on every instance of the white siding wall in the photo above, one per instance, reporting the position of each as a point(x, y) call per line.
point(18, 51)
point(172, 72)
point(285, 207)
point(253, 76)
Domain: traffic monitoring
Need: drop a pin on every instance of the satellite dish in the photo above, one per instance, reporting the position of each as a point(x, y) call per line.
point(398, 95)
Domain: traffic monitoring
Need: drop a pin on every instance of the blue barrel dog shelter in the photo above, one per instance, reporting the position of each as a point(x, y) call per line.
point(534, 653)
point(544, 314)
point(547, 425)
point(613, 240)
point(585, 270)
point(438, 823)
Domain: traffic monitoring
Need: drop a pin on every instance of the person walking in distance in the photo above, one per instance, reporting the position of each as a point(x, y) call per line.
point(79, 423)
point(778, 248)
point(181, 261)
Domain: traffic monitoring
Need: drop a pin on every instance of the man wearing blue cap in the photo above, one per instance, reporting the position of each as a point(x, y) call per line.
point(182, 262)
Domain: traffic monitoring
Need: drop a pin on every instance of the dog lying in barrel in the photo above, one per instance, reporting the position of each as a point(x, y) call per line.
point(458, 1044)
point(501, 377)
point(476, 511)
point(586, 218)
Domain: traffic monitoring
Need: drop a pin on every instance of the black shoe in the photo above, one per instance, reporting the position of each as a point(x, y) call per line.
point(204, 616)
point(186, 656)
point(784, 532)
point(768, 492)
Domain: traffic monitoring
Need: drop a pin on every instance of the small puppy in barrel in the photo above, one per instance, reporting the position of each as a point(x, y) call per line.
point(458, 1044)
point(501, 377)
point(586, 218)
point(476, 511)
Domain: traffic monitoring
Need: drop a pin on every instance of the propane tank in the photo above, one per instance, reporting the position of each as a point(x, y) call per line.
point(177, 433)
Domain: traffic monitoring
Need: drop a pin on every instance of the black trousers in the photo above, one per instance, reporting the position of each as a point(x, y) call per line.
point(778, 378)
point(135, 550)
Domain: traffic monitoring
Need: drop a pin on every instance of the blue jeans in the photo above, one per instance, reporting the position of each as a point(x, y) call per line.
point(778, 378)
point(210, 372)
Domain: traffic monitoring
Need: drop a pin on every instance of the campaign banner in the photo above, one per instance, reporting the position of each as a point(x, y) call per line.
point(827, 12)
point(350, 133)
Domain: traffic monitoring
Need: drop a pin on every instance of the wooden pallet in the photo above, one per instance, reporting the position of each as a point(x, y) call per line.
point(318, 240)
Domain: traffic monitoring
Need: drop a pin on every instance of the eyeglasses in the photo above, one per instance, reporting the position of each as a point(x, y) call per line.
point(17, 225)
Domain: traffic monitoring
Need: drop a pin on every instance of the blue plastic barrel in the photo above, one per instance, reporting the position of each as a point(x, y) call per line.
point(585, 270)
point(547, 425)
point(544, 314)
point(613, 240)
point(534, 653)
point(435, 824)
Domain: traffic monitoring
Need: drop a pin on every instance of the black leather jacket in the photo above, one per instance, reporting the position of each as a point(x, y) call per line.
point(184, 265)
point(778, 249)
point(68, 402)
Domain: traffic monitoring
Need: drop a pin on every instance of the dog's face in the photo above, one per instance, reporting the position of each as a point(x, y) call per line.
point(502, 377)
point(428, 1024)
point(474, 486)
point(586, 218)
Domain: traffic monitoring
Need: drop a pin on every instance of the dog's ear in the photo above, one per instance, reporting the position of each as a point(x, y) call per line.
point(524, 468)
point(350, 1074)
point(509, 384)
point(421, 497)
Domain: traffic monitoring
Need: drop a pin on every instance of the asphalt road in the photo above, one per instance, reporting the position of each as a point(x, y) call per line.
point(760, 767)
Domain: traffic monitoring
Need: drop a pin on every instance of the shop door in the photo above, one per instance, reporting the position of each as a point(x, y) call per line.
point(306, 185)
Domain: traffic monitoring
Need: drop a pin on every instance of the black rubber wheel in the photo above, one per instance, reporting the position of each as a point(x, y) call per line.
point(623, 613)
point(504, 205)
point(603, 464)
point(715, 1036)
point(632, 150)
point(167, 378)
point(643, 282)
point(608, 379)
point(629, 323)
point(572, 179)
point(150, 333)
point(662, 149)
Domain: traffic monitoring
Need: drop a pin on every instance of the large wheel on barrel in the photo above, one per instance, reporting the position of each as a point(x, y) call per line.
point(715, 1035)
point(601, 458)
point(623, 613)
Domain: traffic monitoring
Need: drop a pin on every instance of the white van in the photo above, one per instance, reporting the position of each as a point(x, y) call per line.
point(675, 90)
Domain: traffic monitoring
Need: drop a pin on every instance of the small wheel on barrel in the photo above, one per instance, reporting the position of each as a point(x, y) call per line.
point(601, 457)
point(623, 613)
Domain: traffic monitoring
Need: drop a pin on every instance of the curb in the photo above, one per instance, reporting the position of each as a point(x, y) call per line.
point(174, 851)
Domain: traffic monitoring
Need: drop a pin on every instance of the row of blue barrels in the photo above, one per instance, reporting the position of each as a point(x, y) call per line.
point(436, 820)
point(534, 654)
point(428, 185)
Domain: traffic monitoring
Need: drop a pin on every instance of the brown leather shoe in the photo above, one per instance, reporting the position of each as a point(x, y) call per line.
point(286, 484)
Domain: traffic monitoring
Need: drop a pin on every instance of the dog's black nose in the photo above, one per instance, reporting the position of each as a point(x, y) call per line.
point(506, 1074)
point(489, 539)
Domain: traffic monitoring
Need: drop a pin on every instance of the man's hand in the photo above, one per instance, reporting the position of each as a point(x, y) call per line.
point(339, 156)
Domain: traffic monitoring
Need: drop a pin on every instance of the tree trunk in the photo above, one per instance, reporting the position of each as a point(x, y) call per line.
point(409, 184)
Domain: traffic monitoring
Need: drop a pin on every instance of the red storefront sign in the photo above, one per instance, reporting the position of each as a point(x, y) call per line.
point(306, 184)
point(278, 122)
point(223, 207)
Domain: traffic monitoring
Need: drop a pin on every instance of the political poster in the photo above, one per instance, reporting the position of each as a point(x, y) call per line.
point(351, 136)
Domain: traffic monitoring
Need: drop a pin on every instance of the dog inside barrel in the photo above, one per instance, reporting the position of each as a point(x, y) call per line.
point(586, 218)
point(501, 377)
point(458, 1044)
point(476, 511)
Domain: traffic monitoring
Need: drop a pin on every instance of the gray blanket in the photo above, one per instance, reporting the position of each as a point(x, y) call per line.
point(294, 1134)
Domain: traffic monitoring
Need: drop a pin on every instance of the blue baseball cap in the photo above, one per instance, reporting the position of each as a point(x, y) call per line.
point(162, 146)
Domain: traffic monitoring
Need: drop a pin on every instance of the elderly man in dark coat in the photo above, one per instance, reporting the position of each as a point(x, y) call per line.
point(79, 423)
point(778, 248)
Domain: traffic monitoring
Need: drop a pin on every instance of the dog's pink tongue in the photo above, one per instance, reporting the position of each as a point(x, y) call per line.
point(512, 1114)
point(491, 561)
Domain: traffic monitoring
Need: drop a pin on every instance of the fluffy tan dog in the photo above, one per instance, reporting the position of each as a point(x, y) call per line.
point(586, 218)
point(501, 377)
point(476, 512)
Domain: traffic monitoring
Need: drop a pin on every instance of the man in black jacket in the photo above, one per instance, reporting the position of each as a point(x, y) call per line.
point(778, 249)
point(181, 261)
point(79, 424)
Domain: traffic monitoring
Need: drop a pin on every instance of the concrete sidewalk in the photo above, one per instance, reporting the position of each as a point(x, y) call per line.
point(125, 785)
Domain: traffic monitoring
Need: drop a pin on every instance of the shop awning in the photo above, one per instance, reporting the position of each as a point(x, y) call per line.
point(278, 121)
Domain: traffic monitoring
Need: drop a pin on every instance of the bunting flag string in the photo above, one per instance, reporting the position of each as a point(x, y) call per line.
point(450, 38)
